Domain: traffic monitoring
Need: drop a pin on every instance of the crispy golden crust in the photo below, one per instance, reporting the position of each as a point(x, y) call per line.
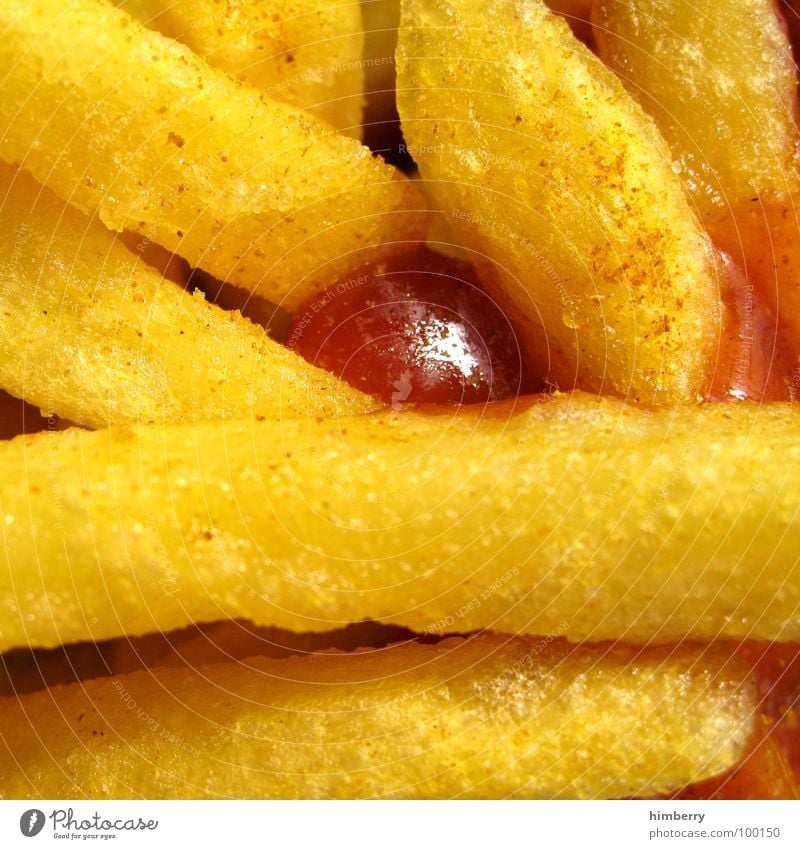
point(302, 52)
point(564, 192)
point(92, 333)
point(577, 516)
point(486, 718)
point(142, 131)
point(721, 85)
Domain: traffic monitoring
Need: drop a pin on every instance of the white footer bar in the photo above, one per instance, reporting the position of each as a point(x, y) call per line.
point(402, 825)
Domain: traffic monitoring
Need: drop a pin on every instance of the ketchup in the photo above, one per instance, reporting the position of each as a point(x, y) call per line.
point(417, 328)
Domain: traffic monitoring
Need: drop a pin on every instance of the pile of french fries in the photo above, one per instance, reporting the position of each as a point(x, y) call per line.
point(225, 573)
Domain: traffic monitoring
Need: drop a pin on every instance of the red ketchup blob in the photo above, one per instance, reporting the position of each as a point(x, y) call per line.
point(417, 328)
point(755, 359)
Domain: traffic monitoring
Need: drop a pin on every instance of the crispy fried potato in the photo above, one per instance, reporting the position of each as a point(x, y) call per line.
point(488, 717)
point(302, 52)
point(577, 516)
point(120, 120)
point(721, 84)
point(91, 332)
point(564, 190)
point(763, 773)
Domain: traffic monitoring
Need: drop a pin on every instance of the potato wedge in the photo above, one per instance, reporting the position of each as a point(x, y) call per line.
point(721, 84)
point(577, 516)
point(564, 190)
point(92, 333)
point(121, 121)
point(490, 717)
point(302, 52)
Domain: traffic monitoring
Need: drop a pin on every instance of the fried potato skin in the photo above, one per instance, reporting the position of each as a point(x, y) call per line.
point(721, 85)
point(119, 120)
point(92, 333)
point(302, 52)
point(577, 516)
point(564, 191)
point(491, 717)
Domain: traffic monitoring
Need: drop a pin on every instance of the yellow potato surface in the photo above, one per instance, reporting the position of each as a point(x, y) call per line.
point(125, 122)
point(564, 190)
point(720, 81)
point(576, 516)
point(484, 718)
point(302, 52)
point(91, 332)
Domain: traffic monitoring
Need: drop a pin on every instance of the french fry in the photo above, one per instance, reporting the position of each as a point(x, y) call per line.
point(721, 85)
point(565, 193)
point(578, 516)
point(124, 122)
point(91, 332)
point(309, 57)
point(730, 117)
point(484, 718)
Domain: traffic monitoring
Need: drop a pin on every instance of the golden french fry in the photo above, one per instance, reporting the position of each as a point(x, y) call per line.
point(125, 122)
point(487, 717)
point(302, 52)
point(577, 516)
point(721, 85)
point(565, 192)
point(91, 332)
